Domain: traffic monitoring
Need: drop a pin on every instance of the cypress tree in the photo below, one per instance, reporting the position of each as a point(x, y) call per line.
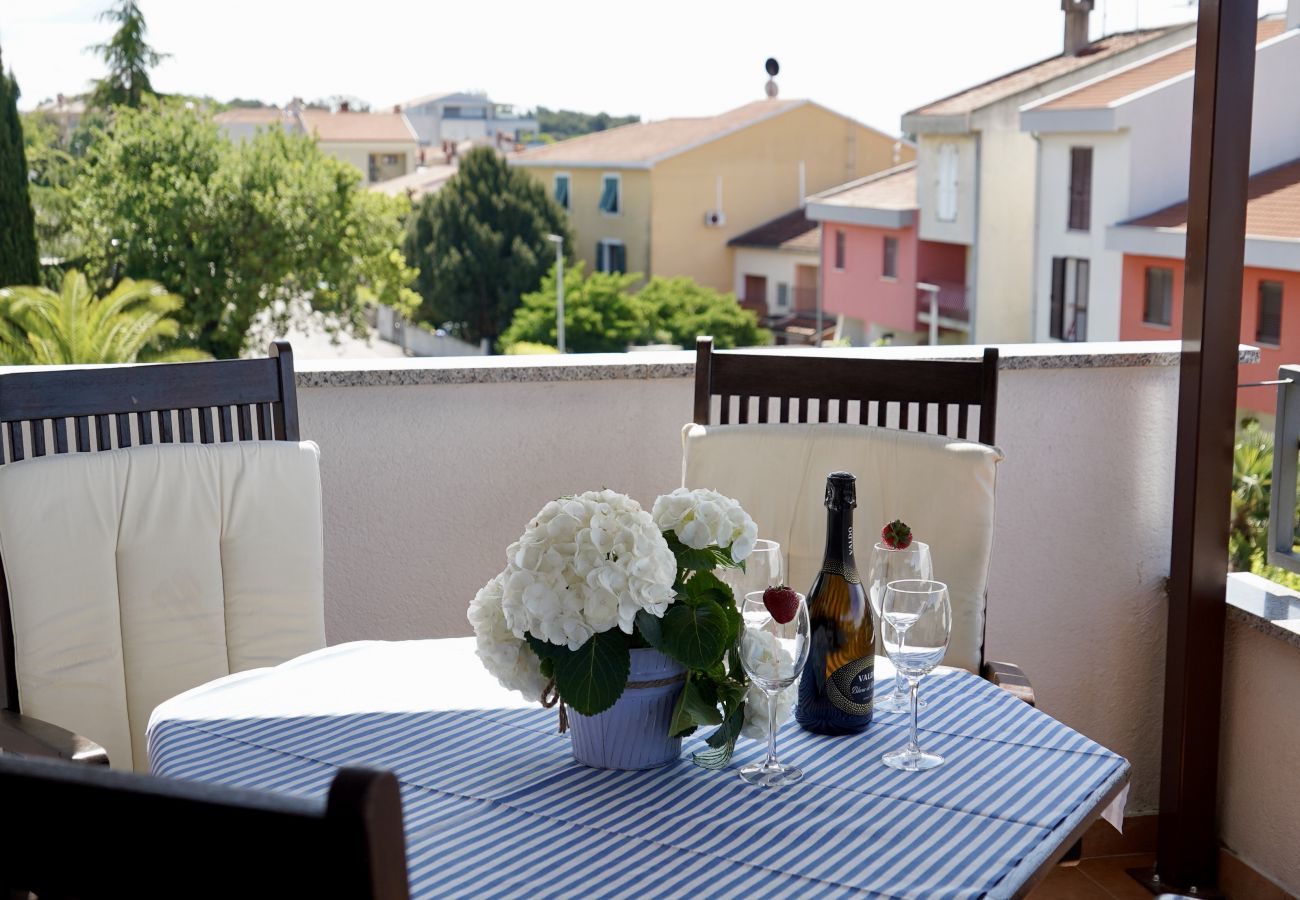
point(19, 261)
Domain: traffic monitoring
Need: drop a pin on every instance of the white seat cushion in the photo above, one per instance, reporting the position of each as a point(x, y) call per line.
point(942, 488)
point(137, 574)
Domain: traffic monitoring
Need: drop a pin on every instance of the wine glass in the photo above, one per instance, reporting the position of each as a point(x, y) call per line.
point(773, 654)
point(763, 569)
point(916, 620)
point(888, 564)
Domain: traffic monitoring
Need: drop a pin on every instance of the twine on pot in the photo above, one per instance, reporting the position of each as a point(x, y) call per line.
point(551, 695)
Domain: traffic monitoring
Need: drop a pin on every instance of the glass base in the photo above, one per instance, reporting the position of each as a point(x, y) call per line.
point(911, 760)
point(775, 775)
point(896, 703)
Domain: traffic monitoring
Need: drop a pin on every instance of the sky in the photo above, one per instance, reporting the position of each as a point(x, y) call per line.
point(870, 59)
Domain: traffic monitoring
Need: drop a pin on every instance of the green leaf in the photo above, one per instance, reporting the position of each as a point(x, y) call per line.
point(650, 627)
point(695, 634)
point(691, 559)
point(693, 709)
point(544, 649)
point(707, 586)
point(592, 677)
point(722, 743)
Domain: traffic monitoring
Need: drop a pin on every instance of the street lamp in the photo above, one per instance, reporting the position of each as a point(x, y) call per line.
point(558, 241)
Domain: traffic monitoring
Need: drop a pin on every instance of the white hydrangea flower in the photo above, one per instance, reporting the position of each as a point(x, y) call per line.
point(505, 656)
point(766, 657)
point(701, 518)
point(586, 564)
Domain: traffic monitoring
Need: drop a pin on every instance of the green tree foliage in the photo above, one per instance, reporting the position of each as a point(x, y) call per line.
point(601, 314)
point(1252, 483)
point(51, 168)
point(236, 229)
point(480, 244)
point(684, 309)
point(128, 58)
point(19, 263)
point(40, 327)
point(566, 123)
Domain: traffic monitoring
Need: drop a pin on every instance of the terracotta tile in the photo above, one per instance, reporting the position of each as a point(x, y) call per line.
point(1111, 874)
point(1068, 884)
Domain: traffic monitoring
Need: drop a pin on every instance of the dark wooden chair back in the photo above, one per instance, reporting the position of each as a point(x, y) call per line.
point(906, 387)
point(72, 830)
point(52, 412)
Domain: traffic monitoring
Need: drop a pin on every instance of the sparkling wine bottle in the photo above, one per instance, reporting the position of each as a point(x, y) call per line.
point(835, 692)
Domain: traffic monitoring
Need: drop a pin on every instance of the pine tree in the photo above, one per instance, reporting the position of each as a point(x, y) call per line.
point(19, 262)
point(128, 58)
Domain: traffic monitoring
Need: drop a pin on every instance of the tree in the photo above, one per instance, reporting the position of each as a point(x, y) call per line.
point(40, 327)
point(19, 262)
point(236, 229)
point(128, 57)
point(561, 124)
point(50, 169)
point(480, 244)
point(685, 309)
point(600, 315)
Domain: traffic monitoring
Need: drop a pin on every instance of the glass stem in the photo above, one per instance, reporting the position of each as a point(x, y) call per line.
point(900, 687)
point(771, 762)
point(912, 746)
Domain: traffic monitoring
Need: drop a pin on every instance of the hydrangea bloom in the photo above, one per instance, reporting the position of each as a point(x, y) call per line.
point(505, 656)
point(586, 564)
point(768, 658)
point(702, 517)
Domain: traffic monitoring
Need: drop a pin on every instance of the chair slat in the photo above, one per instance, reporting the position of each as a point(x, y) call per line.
point(103, 437)
point(945, 414)
point(724, 410)
point(37, 427)
point(844, 410)
point(60, 435)
point(205, 424)
point(882, 413)
point(165, 426)
point(864, 412)
point(264, 422)
point(123, 430)
point(81, 424)
point(963, 419)
point(245, 422)
point(904, 409)
point(923, 420)
point(15, 441)
point(785, 410)
point(763, 404)
point(144, 427)
point(227, 428)
point(803, 410)
point(186, 426)
point(823, 409)
point(742, 416)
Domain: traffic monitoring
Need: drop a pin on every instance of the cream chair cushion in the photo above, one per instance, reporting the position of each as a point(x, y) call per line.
point(139, 573)
point(942, 488)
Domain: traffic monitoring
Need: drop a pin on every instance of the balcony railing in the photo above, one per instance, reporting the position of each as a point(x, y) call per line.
point(946, 298)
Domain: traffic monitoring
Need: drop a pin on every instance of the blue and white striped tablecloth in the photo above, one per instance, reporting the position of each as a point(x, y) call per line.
point(495, 806)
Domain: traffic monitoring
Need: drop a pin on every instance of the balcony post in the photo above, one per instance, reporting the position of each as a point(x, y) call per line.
point(1188, 847)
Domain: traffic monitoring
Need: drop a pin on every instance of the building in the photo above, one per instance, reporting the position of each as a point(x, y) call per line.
point(241, 125)
point(66, 112)
point(881, 283)
point(426, 179)
point(975, 168)
point(450, 118)
point(667, 197)
point(777, 273)
point(1151, 277)
point(1115, 148)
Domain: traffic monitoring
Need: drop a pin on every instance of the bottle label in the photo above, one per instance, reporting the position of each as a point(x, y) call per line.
point(851, 686)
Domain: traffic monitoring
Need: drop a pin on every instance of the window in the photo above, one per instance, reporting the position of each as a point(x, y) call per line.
point(889, 266)
point(1158, 307)
point(782, 295)
point(946, 185)
point(1269, 327)
point(562, 189)
point(611, 201)
point(611, 256)
point(1069, 317)
point(839, 249)
point(1080, 217)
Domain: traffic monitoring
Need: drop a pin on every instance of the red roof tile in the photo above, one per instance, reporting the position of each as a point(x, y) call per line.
point(1272, 206)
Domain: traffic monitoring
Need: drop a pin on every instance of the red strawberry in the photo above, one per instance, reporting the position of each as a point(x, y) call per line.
point(782, 602)
point(896, 535)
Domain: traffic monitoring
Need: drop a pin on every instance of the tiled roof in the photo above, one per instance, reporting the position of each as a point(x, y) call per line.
point(357, 126)
point(792, 231)
point(1031, 76)
point(643, 142)
point(892, 189)
point(1132, 79)
point(265, 115)
point(425, 180)
point(1272, 206)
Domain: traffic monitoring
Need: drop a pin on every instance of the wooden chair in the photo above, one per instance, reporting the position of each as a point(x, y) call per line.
point(60, 411)
point(158, 837)
point(888, 392)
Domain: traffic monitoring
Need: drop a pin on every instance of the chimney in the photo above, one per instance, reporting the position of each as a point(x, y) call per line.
point(1076, 25)
point(345, 106)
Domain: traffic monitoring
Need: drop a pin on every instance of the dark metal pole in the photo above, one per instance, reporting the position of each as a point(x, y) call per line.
point(1187, 851)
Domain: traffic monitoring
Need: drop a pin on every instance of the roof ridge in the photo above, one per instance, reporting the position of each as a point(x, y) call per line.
point(866, 179)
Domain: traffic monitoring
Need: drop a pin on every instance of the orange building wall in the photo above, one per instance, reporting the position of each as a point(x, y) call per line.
point(1132, 328)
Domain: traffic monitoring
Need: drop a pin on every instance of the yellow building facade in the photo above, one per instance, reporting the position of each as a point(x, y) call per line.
point(685, 187)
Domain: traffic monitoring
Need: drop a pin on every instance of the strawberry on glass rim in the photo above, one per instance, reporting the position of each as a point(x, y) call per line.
point(782, 602)
point(896, 535)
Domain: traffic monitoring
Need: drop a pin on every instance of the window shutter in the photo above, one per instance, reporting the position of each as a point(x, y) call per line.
point(600, 257)
point(946, 206)
point(1057, 317)
point(617, 258)
point(1080, 216)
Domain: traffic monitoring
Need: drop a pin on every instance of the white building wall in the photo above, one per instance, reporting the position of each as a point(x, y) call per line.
point(775, 265)
point(357, 153)
point(1275, 133)
point(930, 227)
point(1110, 203)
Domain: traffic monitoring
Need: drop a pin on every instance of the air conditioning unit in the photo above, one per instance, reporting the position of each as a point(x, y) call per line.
point(715, 218)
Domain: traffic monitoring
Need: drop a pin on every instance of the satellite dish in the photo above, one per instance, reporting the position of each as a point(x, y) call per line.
point(772, 66)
